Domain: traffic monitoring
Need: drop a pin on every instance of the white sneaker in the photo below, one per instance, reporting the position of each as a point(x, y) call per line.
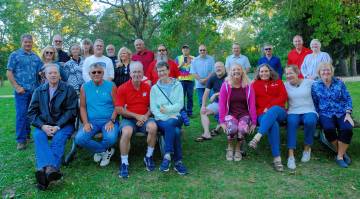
point(291, 163)
point(106, 157)
point(306, 156)
point(97, 157)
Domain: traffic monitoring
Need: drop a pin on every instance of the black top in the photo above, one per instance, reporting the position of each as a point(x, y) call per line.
point(121, 74)
point(113, 59)
point(59, 111)
point(63, 56)
point(214, 83)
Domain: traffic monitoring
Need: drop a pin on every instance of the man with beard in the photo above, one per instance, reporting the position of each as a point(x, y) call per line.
point(110, 52)
point(213, 84)
point(57, 42)
point(162, 55)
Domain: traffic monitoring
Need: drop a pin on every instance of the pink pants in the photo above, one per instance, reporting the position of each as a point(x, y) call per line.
point(237, 128)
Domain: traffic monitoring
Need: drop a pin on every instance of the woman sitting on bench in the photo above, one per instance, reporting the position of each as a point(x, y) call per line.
point(301, 110)
point(334, 105)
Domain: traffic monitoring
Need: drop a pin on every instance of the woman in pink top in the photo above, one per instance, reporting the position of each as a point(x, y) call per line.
point(237, 111)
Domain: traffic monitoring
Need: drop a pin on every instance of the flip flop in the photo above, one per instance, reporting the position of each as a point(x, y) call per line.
point(202, 138)
point(214, 132)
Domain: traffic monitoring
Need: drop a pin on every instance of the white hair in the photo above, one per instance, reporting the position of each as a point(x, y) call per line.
point(136, 65)
point(51, 65)
point(315, 41)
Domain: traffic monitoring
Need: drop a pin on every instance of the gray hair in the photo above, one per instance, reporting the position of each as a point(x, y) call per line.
point(138, 40)
point(161, 64)
point(95, 65)
point(136, 64)
point(26, 36)
point(51, 65)
point(99, 40)
point(315, 41)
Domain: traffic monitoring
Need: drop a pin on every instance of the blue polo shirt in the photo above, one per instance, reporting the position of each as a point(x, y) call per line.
point(274, 62)
point(202, 66)
point(25, 67)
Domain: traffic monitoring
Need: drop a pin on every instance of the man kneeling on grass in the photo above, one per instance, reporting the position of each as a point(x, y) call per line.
point(52, 112)
point(213, 84)
point(133, 104)
point(98, 114)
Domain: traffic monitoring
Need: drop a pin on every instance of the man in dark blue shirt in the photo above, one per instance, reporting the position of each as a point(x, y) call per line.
point(273, 61)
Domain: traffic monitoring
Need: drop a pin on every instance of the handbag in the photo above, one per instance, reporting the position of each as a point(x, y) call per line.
point(184, 117)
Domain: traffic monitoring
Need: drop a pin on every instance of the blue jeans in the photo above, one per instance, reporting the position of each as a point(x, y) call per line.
point(188, 87)
point(200, 93)
point(293, 121)
point(171, 130)
point(269, 124)
point(51, 155)
point(330, 125)
point(22, 102)
point(109, 138)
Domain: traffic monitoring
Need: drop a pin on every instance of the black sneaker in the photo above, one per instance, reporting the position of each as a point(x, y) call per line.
point(53, 174)
point(41, 182)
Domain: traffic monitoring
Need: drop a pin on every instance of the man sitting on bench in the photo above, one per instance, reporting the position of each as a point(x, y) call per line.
point(132, 103)
point(52, 112)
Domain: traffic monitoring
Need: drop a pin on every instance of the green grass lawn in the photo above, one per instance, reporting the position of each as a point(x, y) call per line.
point(211, 176)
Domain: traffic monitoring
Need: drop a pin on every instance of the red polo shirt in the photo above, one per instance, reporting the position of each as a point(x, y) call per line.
point(296, 58)
point(152, 75)
point(145, 57)
point(136, 101)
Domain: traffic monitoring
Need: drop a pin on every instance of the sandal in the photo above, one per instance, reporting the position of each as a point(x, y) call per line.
point(202, 138)
point(214, 132)
point(253, 143)
point(278, 166)
point(229, 154)
point(237, 156)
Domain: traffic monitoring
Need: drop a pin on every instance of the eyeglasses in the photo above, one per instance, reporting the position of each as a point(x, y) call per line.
point(267, 49)
point(162, 50)
point(49, 53)
point(58, 41)
point(96, 72)
point(202, 50)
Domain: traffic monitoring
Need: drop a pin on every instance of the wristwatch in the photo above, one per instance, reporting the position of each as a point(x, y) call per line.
point(112, 120)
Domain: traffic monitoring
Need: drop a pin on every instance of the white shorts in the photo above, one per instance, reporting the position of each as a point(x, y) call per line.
point(214, 107)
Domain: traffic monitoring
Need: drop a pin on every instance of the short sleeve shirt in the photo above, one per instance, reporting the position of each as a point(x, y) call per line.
point(215, 83)
point(135, 101)
point(202, 66)
point(242, 60)
point(25, 67)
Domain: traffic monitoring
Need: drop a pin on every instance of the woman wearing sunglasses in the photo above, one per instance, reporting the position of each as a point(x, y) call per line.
point(49, 56)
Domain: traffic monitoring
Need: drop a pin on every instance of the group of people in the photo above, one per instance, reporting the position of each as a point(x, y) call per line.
point(146, 92)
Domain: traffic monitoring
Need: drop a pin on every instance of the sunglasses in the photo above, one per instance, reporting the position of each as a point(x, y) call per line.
point(267, 49)
point(96, 72)
point(58, 41)
point(162, 50)
point(49, 53)
point(202, 50)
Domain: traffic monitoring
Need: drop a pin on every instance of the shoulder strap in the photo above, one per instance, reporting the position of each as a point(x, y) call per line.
point(164, 94)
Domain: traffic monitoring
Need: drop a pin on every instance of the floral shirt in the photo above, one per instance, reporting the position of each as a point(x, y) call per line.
point(331, 101)
point(73, 71)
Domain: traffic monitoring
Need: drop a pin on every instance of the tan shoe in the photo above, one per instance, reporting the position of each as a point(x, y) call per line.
point(237, 156)
point(229, 154)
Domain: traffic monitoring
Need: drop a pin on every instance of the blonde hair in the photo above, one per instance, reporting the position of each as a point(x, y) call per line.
point(244, 78)
point(325, 65)
point(128, 51)
point(55, 55)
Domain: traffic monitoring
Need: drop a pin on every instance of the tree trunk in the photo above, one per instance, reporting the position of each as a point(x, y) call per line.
point(343, 67)
point(353, 62)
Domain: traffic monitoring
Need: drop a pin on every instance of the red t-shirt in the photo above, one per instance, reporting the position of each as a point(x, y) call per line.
point(152, 75)
point(136, 101)
point(269, 93)
point(295, 58)
point(145, 57)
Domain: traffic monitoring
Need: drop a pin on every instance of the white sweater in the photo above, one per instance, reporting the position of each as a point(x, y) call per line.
point(299, 98)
